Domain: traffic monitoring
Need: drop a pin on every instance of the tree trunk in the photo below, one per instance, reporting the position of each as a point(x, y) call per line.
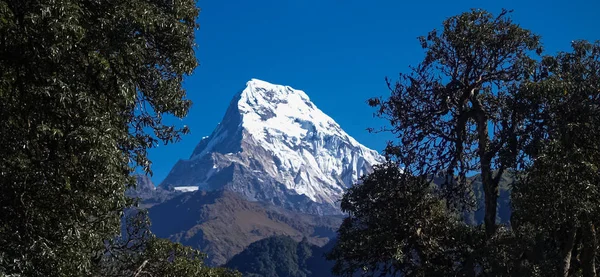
point(491, 199)
point(566, 252)
point(576, 254)
point(490, 188)
point(588, 253)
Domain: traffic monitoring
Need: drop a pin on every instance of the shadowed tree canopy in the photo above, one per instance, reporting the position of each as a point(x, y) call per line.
point(398, 226)
point(453, 112)
point(480, 103)
point(275, 256)
point(559, 196)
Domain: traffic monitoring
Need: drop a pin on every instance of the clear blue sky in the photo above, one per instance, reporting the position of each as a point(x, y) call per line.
point(338, 51)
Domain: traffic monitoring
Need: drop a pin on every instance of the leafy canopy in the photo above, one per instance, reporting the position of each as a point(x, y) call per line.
point(84, 88)
point(481, 102)
point(452, 113)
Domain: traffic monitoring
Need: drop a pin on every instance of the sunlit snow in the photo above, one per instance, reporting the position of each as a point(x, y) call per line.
point(317, 158)
point(186, 189)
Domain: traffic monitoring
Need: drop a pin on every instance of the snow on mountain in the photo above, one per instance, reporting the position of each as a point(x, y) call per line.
point(275, 145)
point(186, 189)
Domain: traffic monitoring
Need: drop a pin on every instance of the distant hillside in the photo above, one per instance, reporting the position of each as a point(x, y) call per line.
point(281, 256)
point(223, 223)
point(504, 205)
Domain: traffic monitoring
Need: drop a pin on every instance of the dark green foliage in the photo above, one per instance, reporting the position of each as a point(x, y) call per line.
point(479, 102)
point(311, 260)
point(84, 87)
point(318, 264)
point(276, 256)
point(559, 197)
point(399, 225)
point(280, 256)
point(445, 109)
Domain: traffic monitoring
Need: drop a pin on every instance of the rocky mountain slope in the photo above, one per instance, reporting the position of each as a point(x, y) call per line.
point(222, 223)
point(275, 145)
point(148, 194)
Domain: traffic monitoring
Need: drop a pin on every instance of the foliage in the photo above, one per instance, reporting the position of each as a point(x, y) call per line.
point(84, 88)
point(559, 197)
point(444, 110)
point(311, 259)
point(274, 256)
point(398, 225)
point(480, 102)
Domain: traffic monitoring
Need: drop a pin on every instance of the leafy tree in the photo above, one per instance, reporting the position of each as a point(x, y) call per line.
point(479, 102)
point(84, 87)
point(453, 112)
point(399, 226)
point(559, 196)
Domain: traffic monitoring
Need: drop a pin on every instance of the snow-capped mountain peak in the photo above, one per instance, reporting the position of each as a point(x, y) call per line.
point(275, 145)
point(268, 108)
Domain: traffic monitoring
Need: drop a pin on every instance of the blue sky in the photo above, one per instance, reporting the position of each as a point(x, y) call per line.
point(338, 51)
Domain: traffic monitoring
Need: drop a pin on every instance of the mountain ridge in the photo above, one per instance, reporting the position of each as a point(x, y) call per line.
point(222, 223)
point(275, 145)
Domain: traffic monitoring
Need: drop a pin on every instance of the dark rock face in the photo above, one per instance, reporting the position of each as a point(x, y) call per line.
point(148, 194)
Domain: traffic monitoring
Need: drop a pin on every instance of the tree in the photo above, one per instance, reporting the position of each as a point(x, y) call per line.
point(399, 226)
point(84, 87)
point(479, 102)
point(465, 108)
point(559, 193)
point(453, 112)
point(282, 256)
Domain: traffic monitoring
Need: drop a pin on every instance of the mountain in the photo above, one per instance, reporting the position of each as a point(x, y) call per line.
point(275, 145)
point(148, 193)
point(281, 256)
point(222, 223)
